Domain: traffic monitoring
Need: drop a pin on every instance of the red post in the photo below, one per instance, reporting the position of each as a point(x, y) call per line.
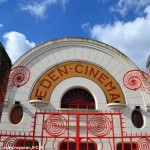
point(77, 131)
point(121, 128)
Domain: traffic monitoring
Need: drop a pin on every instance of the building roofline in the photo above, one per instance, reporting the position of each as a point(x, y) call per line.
point(76, 40)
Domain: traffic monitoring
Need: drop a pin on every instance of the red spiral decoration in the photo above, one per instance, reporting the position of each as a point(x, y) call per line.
point(146, 83)
point(144, 144)
point(10, 143)
point(55, 125)
point(100, 125)
point(137, 79)
point(132, 79)
point(19, 76)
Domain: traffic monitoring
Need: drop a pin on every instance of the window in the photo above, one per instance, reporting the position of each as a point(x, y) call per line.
point(72, 146)
point(16, 114)
point(78, 98)
point(137, 119)
point(127, 146)
point(26, 144)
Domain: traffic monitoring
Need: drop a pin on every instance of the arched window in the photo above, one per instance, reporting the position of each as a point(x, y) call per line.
point(137, 119)
point(127, 146)
point(78, 98)
point(83, 146)
point(16, 114)
point(30, 144)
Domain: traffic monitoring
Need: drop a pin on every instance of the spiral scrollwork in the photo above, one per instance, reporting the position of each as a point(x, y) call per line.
point(137, 79)
point(100, 125)
point(19, 76)
point(144, 144)
point(10, 143)
point(132, 79)
point(55, 125)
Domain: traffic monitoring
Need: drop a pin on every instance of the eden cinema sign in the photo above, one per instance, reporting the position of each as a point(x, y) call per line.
point(49, 80)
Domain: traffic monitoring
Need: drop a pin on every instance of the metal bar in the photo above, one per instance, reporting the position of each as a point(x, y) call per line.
point(34, 126)
point(82, 113)
point(68, 131)
point(42, 130)
point(121, 130)
point(87, 132)
point(77, 131)
point(113, 134)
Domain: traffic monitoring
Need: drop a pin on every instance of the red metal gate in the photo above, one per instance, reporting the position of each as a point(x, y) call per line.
point(104, 129)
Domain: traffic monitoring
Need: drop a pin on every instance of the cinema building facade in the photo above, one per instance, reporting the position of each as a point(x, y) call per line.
point(76, 94)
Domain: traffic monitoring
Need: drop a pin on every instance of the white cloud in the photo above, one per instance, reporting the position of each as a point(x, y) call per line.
point(85, 26)
point(39, 8)
point(16, 44)
point(123, 6)
point(132, 38)
point(2, 1)
point(1, 25)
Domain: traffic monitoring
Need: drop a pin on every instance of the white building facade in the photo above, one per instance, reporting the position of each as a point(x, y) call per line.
point(76, 94)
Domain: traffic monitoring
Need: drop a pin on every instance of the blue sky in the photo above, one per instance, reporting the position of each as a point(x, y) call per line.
point(124, 24)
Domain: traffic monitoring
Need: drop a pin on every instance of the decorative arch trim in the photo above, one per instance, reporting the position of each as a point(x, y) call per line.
point(49, 80)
